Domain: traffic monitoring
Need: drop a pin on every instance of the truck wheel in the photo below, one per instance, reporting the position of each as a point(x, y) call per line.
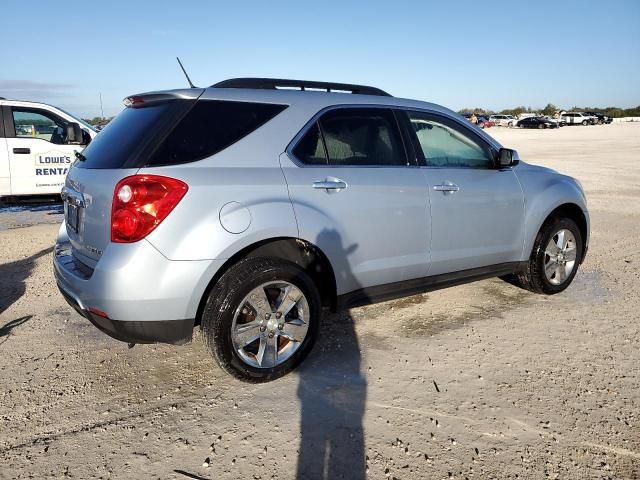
point(261, 319)
point(555, 258)
point(585, 123)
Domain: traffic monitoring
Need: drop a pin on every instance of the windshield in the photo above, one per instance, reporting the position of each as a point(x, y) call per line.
point(80, 121)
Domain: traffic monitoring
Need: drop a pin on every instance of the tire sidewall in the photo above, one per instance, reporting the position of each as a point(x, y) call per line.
point(547, 233)
point(229, 301)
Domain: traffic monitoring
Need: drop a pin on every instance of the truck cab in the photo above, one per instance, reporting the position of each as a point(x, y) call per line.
point(37, 145)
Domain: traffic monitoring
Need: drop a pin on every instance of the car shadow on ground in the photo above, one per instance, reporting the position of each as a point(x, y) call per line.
point(332, 391)
point(13, 278)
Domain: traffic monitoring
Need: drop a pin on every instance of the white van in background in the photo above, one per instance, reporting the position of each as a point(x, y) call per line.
point(37, 144)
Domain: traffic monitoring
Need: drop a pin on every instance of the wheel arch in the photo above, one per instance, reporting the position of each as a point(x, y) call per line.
point(575, 213)
point(301, 252)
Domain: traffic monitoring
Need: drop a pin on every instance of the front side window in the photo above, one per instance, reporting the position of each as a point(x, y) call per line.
point(362, 137)
point(34, 123)
point(446, 144)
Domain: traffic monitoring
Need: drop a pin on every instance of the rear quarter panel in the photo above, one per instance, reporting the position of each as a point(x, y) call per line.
point(247, 180)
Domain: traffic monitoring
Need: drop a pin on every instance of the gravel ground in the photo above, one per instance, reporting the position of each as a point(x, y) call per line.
point(479, 381)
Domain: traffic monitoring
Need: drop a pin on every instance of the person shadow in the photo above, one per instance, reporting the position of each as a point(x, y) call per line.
point(332, 391)
point(13, 278)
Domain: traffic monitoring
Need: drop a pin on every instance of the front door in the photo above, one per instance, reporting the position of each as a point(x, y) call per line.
point(39, 155)
point(477, 211)
point(358, 198)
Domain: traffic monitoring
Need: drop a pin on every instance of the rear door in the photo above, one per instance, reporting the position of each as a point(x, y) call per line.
point(477, 211)
point(38, 151)
point(358, 197)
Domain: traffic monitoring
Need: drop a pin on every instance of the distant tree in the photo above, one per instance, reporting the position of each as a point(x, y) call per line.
point(549, 110)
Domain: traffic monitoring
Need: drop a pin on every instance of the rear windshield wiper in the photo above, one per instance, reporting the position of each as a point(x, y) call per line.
point(79, 156)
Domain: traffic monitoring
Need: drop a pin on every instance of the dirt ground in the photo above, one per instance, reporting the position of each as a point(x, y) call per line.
point(479, 381)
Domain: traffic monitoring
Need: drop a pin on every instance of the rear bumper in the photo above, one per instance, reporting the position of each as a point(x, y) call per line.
point(176, 332)
point(145, 297)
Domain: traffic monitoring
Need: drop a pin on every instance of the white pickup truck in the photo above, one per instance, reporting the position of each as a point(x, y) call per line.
point(37, 144)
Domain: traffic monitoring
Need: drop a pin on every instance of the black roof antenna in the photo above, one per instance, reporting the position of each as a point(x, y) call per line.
point(185, 74)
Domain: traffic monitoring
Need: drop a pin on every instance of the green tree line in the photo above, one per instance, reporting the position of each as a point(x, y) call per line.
point(98, 121)
point(550, 109)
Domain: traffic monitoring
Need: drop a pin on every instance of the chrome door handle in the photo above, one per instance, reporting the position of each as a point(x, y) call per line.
point(446, 187)
point(330, 185)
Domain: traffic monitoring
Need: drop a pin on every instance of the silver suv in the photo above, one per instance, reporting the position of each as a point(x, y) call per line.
point(248, 207)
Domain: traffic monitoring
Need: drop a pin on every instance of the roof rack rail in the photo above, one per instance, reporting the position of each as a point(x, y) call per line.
point(282, 83)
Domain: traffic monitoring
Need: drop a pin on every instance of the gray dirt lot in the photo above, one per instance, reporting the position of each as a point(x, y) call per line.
point(479, 381)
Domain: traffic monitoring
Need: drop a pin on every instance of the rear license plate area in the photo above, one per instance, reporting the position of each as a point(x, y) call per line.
point(72, 216)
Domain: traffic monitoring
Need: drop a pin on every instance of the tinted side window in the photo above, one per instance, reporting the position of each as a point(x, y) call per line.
point(446, 144)
point(362, 137)
point(310, 149)
point(210, 127)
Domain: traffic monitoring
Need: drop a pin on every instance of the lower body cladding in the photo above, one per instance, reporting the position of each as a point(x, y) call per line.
point(135, 294)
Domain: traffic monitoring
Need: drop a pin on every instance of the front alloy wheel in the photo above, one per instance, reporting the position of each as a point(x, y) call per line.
point(560, 257)
point(554, 259)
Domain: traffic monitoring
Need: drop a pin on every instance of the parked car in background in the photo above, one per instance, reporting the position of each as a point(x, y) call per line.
point(527, 115)
point(245, 209)
point(481, 120)
point(578, 118)
point(601, 119)
point(537, 122)
point(503, 120)
point(559, 120)
point(484, 121)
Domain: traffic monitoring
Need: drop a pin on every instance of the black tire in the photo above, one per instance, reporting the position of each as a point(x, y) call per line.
point(533, 277)
point(225, 298)
point(542, 126)
point(585, 123)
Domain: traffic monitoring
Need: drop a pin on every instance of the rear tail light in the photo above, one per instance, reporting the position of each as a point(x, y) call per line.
point(141, 203)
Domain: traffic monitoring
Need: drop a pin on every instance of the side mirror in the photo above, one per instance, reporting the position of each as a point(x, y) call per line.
point(74, 134)
point(86, 138)
point(507, 158)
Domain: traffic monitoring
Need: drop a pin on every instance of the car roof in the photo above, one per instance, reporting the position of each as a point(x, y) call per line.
point(304, 104)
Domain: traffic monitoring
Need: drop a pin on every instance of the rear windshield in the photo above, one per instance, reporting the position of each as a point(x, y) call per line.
point(172, 132)
point(210, 127)
point(124, 141)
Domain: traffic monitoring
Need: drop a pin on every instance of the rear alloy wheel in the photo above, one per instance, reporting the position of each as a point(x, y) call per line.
point(261, 319)
point(555, 258)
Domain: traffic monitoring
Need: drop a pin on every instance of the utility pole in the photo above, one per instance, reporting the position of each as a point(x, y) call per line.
point(101, 109)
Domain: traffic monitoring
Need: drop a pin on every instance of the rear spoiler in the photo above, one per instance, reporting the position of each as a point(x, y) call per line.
point(155, 97)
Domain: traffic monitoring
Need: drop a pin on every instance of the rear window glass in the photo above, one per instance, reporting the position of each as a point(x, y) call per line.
point(122, 141)
point(210, 127)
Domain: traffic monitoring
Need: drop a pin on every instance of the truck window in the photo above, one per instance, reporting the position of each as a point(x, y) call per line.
point(33, 123)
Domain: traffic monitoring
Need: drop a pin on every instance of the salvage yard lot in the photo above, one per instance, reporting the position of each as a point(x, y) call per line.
point(484, 380)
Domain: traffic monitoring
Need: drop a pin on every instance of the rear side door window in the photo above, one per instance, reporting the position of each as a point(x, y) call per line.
point(442, 142)
point(362, 137)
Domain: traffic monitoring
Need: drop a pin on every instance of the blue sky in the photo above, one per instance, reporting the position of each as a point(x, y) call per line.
point(459, 54)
